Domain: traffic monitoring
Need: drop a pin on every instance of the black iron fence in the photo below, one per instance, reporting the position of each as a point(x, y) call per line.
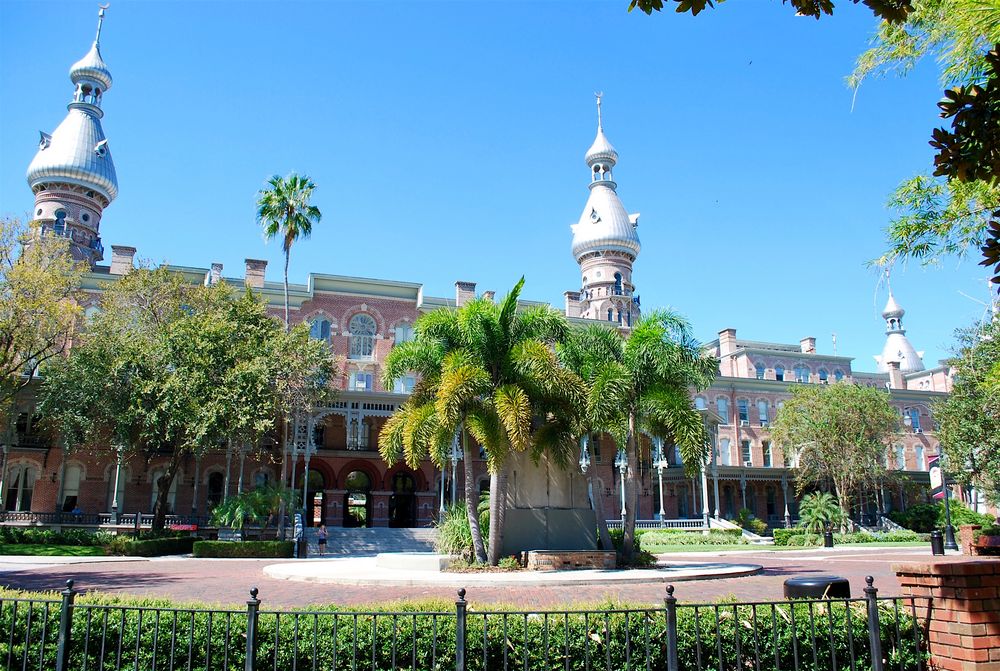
point(129, 520)
point(85, 634)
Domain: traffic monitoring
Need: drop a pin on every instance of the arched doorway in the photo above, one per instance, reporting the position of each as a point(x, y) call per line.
point(312, 497)
point(358, 500)
point(403, 501)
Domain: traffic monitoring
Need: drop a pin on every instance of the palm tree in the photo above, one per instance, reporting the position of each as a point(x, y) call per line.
point(642, 382)
point(283, 209)
point(819, 511)
point(488, 370)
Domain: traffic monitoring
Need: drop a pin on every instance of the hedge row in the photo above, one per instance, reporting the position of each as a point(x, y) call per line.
point(661, 538)
point(31, 536)
point(415, 637)
point(927, 517)
point(799, 537)
point(158, 547)
point(244, 549)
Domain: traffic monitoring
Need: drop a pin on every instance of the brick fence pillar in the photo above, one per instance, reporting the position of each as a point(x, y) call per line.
point(966, 532)
point(958, 604)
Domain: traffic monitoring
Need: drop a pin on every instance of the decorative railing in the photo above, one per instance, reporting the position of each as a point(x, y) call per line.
point(660, 524)
point(880, 634)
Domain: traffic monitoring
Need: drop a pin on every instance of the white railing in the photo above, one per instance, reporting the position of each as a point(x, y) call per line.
point(659, 524)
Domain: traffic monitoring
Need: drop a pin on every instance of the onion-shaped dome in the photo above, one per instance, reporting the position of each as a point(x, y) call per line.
point(604, 225)
point(892, 309)
point(77, 153)
point(898, 348)
point(91, 67)
point(601, 151)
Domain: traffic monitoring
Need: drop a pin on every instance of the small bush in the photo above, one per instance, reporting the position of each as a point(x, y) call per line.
point(32, 536)
point(244, 549)
point(668, 538)
point(509, 564)
point(158, 547)
point(454, 536)
point(783, 536)
point(927, 517)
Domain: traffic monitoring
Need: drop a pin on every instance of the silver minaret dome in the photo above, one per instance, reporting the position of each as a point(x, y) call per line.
point(897, 346)
point(604, 225)
point(77, 151)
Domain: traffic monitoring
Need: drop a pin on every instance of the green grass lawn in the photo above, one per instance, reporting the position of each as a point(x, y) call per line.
point(52, 550)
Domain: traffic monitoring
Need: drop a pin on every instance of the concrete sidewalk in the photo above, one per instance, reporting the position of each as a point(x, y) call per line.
point(363, 571)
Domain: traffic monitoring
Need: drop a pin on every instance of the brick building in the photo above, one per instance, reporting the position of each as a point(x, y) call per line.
point(335, 463)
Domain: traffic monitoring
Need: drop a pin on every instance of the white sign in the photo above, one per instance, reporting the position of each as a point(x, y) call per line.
point(936, 478)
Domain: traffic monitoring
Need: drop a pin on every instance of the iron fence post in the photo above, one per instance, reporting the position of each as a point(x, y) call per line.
point(874, 635)
point(253, 607)
point(670, 604)
point(65, 639)
point(460, 607)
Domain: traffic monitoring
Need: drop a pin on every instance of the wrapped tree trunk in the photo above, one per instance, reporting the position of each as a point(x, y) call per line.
point(498, 510)
point(472, 503)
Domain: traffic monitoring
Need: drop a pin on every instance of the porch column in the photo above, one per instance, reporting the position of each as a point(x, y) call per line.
point(704, 499)
point(197, 478)
point(743, 488)
point(784, 495)
point(229, 468)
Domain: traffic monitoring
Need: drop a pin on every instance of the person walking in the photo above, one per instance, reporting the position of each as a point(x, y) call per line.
point(321, 539)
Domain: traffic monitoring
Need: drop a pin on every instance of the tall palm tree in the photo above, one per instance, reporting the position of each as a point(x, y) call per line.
point(490, 369)
point(642, 383)
point(283, 209)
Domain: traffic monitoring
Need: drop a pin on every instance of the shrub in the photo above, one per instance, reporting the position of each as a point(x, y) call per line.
point(158, 547)
point(927, 517)
point(783, 536)
point(757, 526)
point(454, 536)
point(653, 538)
point(244, 549)
point(33, 536)
point(617, 535)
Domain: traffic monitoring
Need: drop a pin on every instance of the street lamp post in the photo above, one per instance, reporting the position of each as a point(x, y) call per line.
point(949, 531)
point(660, 462)
point(621, 461)
point(584, 455)
point(441, 509)
point(114, 495)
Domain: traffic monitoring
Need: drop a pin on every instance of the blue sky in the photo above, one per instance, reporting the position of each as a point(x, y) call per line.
point(447, 142)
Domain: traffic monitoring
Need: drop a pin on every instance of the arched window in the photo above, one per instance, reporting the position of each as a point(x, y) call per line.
point(319, 329)
point(722, 407)
point(611, 315)
point(762, 412)
point(921, 464)
point(801, 373)
point(404, 333)
point(155, 490)
point(823, 375)
point(71, 487)
point(768, 453)
point(260, 479)
point(362, 330)
point(725, 452)
point(900, 458)
point(22, 484)
point(771, 508)
point(838, 375)
point(618, 284)
point(779, 373)
point(760, 371)
point(60, 224)
point(699, 402)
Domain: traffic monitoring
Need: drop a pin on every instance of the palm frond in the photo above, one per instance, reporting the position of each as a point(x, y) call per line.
point(514, 410)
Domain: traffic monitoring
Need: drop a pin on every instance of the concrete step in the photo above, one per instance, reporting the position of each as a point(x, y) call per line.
point(343, 542)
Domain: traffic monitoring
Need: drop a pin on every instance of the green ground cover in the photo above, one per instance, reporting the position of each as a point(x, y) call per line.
point(41, 550)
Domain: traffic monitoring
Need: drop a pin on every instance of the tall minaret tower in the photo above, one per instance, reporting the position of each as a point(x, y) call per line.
point(605, 242)
point(897, 345)
point(72, 175)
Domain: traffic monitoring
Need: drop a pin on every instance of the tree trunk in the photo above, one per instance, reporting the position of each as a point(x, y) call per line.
point(498, 509)
point(284, 474)
point(841, 490)
point(631, 477)
point(287, 254)
point(472, 503)
point(163, 491)
point(597, 504)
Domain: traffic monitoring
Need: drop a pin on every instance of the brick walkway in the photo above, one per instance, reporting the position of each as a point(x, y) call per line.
point(228, 581)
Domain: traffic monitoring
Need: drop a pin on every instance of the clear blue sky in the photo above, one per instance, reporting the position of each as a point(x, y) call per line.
point(447, 142)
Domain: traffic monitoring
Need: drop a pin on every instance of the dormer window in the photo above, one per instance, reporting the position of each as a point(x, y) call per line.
point(594, 217)
point(101, 148)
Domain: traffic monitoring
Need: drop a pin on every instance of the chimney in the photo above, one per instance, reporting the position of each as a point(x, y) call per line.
point(254, 277)
point(727, 342)
point(808, 345)
point(489, 295)
point(121, 259)
point(572, 303)
point(464, 292)
point(895, 376)
point(214, 275)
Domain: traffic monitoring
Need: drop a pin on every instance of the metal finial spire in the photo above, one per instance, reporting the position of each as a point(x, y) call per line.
point(599, 95)
point(100, 22)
